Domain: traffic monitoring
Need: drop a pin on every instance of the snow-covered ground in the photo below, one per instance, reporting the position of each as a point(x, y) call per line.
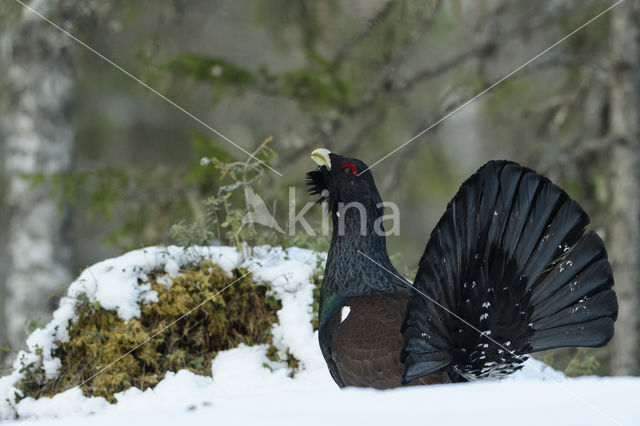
point(243, 391)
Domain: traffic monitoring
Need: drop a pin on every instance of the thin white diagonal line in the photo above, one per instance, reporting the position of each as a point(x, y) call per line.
point(405, 282)
point(449, 114)
point(145, 85)
point(542, 373)
point(208, 299)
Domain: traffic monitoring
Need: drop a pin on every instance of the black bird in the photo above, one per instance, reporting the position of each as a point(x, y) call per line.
point(508, 270)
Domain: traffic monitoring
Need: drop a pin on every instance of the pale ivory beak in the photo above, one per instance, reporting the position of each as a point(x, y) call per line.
point(321, 157)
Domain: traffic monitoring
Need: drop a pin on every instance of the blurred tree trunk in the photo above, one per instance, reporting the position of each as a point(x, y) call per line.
point(37, 137)
point(4, 228)
point(624, 241)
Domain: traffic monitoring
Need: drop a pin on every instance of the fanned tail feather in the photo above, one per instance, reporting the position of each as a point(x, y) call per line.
point(508, 270)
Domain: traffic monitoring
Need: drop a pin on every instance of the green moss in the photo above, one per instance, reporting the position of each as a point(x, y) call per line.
point(316, 280)
point(293, 363)
point(243, 313)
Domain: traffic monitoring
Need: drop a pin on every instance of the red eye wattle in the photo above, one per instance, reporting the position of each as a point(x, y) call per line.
point(350, 168)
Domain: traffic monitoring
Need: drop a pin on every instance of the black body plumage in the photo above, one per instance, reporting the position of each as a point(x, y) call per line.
point(508, 270)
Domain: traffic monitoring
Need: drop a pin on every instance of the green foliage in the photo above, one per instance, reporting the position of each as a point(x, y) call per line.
point(279, 15)
point(5, 368)
point(398, 258)
point(205, 178)
point(219, 73)
point(32, 324)
point(145, 201)
point(575, 362)
point(320, 85)
point(243, 313)
point(104, 188)
point(225, 213)
point(582, 365)
point(274, 356)
point(148, 202)
point(224, 221)
point(508, 98)
point(191, 234)
point(318, 243)
point(316, 280)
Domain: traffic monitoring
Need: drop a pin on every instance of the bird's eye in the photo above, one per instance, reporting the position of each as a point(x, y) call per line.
point(350, 168)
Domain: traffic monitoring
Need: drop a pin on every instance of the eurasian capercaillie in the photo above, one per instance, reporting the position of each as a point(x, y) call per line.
point(507, 271)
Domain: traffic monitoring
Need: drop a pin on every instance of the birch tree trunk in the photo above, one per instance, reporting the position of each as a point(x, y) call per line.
point(38, 137)
point(624, 241)
point(4, 60)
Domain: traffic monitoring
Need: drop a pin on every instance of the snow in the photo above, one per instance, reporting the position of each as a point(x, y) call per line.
point(121, 284)
point(247, 388)
point(246, 394)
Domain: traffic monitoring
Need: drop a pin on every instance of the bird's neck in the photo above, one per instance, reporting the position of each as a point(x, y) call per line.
point(357, 263)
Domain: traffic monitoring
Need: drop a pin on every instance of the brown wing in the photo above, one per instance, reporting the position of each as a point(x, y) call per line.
point(366, 345)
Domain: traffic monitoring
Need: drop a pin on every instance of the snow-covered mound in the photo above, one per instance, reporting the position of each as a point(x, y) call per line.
point(246, 387)
point(121, 284)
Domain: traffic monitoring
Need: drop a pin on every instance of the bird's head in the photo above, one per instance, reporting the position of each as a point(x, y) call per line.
point(341, 180)
point(344, 183)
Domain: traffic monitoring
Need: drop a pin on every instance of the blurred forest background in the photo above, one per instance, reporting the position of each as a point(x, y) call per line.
point(92, 163)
